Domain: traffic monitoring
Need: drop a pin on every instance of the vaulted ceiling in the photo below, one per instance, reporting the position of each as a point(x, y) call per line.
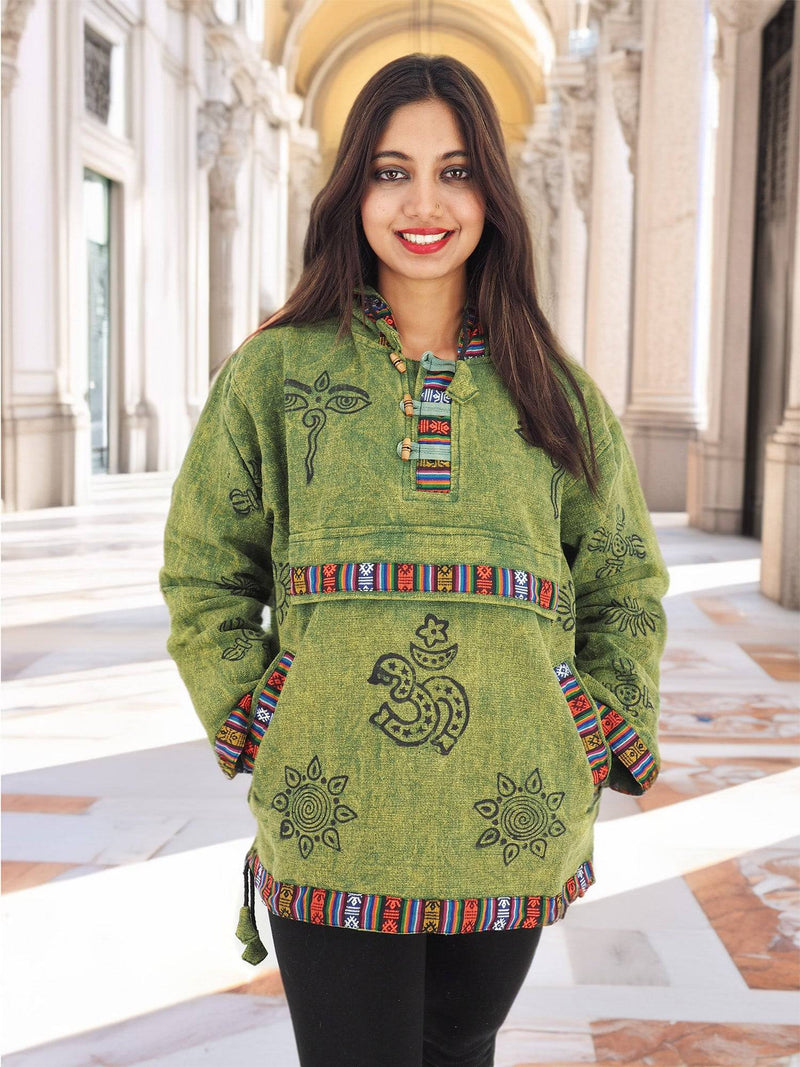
point(330, 48)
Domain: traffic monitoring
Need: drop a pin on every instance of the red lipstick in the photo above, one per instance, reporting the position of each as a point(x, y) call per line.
point(427, 247)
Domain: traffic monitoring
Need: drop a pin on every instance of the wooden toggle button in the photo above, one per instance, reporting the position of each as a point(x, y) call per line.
point(408, 404)
point(405, 449)
point(397, 361)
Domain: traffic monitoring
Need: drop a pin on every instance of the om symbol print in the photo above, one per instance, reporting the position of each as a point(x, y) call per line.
point(436, 710)
point(315, 401)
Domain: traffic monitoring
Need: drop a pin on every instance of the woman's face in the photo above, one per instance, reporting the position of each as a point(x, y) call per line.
point(422, 212)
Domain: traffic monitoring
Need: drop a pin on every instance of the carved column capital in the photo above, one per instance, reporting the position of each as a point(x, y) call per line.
point(541, 164)
point(304, 173)
point(625, 66)
point(624, 9)
point(223, 137)
point(204, 9)
point(15, 15)
point(622, 30)
point(574, 81)
point(741, 15)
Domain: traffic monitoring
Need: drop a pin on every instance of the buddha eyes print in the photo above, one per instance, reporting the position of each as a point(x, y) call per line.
point(316, 402)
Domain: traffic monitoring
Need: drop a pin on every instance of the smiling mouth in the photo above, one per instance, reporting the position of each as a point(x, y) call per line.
point(424, 242)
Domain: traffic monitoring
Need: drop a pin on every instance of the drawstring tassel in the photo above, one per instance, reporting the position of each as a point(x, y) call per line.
point(246, 930)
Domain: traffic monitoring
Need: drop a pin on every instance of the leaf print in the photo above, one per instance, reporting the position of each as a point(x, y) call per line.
point(630, 615)
point(242, 584)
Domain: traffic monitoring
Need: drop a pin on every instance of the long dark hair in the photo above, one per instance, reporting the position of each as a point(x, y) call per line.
point(337, 260)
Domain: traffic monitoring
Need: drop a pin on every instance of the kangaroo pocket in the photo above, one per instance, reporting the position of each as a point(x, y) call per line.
point(412, 737)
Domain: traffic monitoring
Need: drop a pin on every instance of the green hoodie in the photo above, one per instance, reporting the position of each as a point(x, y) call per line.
point(463, 644)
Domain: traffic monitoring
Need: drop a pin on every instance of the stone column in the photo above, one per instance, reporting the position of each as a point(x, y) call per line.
point(662, 415)
point(609, 284)
point(540, 178)
point(780, 560)
point(223, 139)
point(46, 430)
point(304, 166)
point(15, 13)
point(717, 458)
point(573, 80)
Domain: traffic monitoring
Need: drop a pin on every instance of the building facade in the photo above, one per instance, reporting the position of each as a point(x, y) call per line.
point(160, 157)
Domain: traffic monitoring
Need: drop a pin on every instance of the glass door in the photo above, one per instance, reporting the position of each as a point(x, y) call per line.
point(96, 204)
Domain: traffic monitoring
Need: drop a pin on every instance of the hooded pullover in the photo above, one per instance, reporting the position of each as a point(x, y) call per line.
point(463, 643)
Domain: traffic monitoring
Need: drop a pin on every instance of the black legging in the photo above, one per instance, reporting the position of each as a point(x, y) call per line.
point(362, 999)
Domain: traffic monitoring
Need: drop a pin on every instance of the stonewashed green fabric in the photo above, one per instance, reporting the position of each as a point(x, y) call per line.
point(449, 678)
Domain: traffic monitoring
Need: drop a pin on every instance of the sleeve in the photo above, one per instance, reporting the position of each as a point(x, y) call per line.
point(620, 579)
point(217, 576)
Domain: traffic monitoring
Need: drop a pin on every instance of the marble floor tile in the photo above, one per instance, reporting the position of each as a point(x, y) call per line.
point(268, 984)
point(720, 610)
point(195, 1032)
point(664, 906)
point(679, 950)
point(46, 803)
point(238, 1048)
point(707, 774)
point(176, 771)
point(736, 715)
point(124, 635)
point(704, 668)
point(615, 957)
point(692, 1045)
point(783, 664)
point(85, 838)
point(699, 1003)
point(17, 874)
point(753, 904)
point(542, 1042)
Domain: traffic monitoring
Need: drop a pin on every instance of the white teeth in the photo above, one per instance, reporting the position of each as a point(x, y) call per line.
point(424, 239)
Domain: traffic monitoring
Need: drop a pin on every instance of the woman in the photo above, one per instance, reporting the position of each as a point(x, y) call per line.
point(465, 589)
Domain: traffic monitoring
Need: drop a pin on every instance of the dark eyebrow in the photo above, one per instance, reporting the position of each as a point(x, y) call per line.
point(402, 155)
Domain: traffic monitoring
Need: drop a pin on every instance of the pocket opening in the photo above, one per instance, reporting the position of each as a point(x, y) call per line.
point(238, 739)
point(586, 720)
point(266, 706)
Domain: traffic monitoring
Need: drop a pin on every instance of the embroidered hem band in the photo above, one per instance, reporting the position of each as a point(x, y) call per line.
point(401, 915)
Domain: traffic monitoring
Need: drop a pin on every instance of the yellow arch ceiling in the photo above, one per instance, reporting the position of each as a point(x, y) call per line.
point(333, 48)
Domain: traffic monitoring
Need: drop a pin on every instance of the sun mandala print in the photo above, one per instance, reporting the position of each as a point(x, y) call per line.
point(312, 807)
point(521, 817)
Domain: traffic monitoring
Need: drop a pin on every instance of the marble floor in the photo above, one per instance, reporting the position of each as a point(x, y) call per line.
point(122, 842)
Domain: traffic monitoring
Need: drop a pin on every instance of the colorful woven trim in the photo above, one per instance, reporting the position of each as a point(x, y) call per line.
point(470, 339)
point(433, 434)
point(237, 740)
point(479, 578)
point(231, 736)
point(376, 308)
point(432, 448)
point(402, 915)
point(583, 712)
point(628, 747)
point(471, 342)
